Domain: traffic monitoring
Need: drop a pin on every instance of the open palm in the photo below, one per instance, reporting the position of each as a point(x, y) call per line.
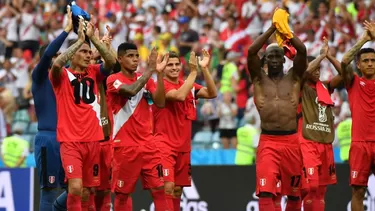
point(161, 62)
point(204, 62)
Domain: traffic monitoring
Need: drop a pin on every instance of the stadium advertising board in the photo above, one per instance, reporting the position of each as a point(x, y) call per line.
point(227, 188)
point(16, 189)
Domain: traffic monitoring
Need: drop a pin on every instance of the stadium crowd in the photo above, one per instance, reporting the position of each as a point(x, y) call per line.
point(225, 28)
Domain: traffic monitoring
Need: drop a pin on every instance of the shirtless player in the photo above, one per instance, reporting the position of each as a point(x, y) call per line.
point(276, 97)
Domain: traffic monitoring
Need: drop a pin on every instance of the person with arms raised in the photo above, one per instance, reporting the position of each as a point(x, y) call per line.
point(276, 98)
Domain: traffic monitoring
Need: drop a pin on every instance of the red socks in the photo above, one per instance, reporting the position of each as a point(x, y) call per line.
point(74, 202)
point(266, 204)
point(121, 202)
point(103, 202)
point(176, 204)
point(92, 206)
point(160, 200)
point(129, 203)
point(277, 202)
point(293, 205)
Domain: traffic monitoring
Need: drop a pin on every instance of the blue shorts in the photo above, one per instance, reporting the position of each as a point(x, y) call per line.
point(48, 161)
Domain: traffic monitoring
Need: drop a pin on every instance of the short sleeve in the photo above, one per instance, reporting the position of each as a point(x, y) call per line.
point(113, 84)
point(150, 86)
point(197, 87)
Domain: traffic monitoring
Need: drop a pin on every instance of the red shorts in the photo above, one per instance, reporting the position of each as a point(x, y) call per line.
point(81, 160)
point(362, 162)
point(106, 155)
point(177, 167)
point(130, 162)
point(318, 163)
point(279, 159)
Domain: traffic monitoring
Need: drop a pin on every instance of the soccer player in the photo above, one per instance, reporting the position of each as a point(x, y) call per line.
point(173, 123)
point(276, 98)
point(362, 105)
point(79, 127)
point(47, 149)
point(317, 132)
point(135, 151)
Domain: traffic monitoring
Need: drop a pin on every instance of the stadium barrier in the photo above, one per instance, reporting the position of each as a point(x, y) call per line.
point(215, 188)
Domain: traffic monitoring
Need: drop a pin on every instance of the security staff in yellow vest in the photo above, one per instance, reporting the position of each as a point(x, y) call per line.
point(14, 151)
point(247, 136)
point(344, 136)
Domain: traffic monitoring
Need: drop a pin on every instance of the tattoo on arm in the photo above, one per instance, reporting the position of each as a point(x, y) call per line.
point(133, 89)
point(64, 58)
point(347, 70)
point(109, 60)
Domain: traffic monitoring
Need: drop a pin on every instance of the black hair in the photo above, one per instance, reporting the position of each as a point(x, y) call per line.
point(123, 47)
point(363, 51)
point(310, 58)
point(157, 29)
point(173, 54)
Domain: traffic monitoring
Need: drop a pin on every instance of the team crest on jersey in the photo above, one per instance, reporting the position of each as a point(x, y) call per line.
point(354, 174)
point(262, 182)
point(165, 172)
point(51, 179)
point(117, 84)
point(70, 168)
point(310, 171)
point(120, 183)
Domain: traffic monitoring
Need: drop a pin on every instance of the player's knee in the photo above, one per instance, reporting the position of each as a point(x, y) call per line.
point(358, 192)
point(169, 188)
point(177, 191)
point(75, 187)
point(265, 195)
point(294, 198)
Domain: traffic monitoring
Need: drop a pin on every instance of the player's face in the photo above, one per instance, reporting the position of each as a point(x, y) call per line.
point(82, 57)
point(129, 61)
point(366, 64)
point(315, 75)
point(173, 68)
point(275, 60)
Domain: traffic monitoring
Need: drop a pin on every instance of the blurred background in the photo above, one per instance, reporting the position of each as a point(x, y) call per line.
point(224, 27)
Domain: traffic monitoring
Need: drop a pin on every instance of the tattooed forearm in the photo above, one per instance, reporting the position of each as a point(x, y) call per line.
point(107, 55)
point(133, 89)
point(64, 58)
point(349, 56)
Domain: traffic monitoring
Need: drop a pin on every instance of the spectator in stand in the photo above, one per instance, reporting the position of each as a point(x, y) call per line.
point(227, 111)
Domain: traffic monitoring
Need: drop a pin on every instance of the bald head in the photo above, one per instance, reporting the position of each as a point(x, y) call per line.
point(274, 47)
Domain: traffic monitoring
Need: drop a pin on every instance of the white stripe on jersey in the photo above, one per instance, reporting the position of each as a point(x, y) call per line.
point(126, 111)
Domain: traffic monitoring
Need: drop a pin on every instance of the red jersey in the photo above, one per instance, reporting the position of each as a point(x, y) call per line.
point(362, 105)
point(173, 123)
point(78, 106)
point(132, 117)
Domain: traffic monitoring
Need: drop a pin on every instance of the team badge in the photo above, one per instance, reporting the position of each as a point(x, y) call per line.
point(165, 172)
point(120, 183)
point(51, 179)
point(354, 174)
point(262, 182)
point(310, 171)
point(70, 168)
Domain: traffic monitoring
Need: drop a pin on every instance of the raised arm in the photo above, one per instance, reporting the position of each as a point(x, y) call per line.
point(347, 70)
point(159, 95)
point(109, 59)
point(253, 60)
point(210, 91)
point(131, 90)
point(338, 79)
point(181, 93)
point(40, 72)
point(299, 62)
point(61, 60)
